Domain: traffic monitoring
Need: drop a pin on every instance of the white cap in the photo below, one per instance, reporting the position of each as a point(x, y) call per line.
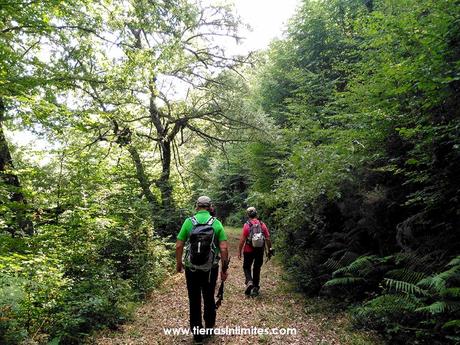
point(251, 209)
point(203, 201)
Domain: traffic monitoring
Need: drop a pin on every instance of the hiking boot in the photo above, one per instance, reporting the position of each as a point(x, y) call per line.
point(209, 333)
point(255, 291)
point(249, 286)
point(208, 337)
point(198, 339)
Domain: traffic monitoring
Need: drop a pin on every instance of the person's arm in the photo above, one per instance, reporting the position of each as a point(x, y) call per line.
point(268, 242)
point(180, 243)
point(179, 251)
point(242, 242)
point(223, 246)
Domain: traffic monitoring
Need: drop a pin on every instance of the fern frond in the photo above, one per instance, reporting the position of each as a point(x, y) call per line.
point(434, 282)
point(440, 307)
point(412, 260)
point(435, 308)
point(404, 287)
point(439, 281)
point(406, 275)
point(451, 324)
point(453, 306)
point(344, 281)
point(392, 303)
point(454, 262)
point(348, 257)
point(357, 265)
point(453, 272)
point(453, 292)
point(332, 264)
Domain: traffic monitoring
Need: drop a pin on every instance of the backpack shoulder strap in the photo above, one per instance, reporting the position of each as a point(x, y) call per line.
point(249, 227)
point(194, 221)
point(251, 231)
point(211, 221)
point(262, 225)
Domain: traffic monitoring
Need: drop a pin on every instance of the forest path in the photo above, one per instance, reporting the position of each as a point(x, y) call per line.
point(277, 306)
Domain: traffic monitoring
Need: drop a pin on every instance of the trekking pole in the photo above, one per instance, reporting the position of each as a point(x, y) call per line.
point(220, 293)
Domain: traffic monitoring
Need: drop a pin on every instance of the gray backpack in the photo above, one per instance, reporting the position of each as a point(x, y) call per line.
point(256, 237)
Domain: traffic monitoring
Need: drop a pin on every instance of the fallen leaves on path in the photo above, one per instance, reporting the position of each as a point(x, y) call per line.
point(275, 307)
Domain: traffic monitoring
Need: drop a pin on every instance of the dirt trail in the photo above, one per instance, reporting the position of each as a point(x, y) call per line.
point(276, 306)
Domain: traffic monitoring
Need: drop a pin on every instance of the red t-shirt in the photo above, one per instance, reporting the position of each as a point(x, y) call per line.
point(247, 248)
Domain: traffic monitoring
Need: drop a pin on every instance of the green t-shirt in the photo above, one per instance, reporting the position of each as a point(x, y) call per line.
point(202, 217)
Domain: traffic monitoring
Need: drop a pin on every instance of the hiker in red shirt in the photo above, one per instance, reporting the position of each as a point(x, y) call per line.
point(254, 237)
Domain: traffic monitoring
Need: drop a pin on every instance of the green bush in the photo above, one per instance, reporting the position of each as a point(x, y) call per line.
point(237, 218)
point(84, 274)
point(104, 301)
point(32, 287)
point(12, 330)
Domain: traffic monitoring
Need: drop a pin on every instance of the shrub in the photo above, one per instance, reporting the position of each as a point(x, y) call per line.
point(84, 274)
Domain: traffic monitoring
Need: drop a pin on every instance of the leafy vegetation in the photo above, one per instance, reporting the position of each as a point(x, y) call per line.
point(87, 210)
point(364, 159)
point(345, 135)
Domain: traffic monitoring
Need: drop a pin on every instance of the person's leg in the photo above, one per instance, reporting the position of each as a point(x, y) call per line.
point(194, 298)
point(209, 288)
point(248, 258)
point(258, 261)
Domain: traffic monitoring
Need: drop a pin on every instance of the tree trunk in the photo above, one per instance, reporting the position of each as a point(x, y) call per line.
point(168, 223)
point(162, 221)
point(11, 181)
point(163, 183)
point(144, 183)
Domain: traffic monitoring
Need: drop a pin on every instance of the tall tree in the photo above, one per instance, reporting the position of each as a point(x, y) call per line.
point(27, 31)
point(162, 82)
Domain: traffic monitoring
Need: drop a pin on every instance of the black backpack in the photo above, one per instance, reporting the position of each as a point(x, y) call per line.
point(202, 247)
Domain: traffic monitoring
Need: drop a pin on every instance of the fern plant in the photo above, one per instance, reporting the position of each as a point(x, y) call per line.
point(358, 278)
point(444, 289)
point(414, 300)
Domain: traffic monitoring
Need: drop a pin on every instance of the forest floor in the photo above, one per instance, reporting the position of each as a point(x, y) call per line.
point(277, 306)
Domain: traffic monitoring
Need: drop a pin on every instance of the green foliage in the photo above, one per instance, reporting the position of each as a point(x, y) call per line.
point(362, 266)
point(361, 186)
point(406, 275)
point(31, 287)
point(424, 303)
point(353, 281)
point(345, 136)
point(403, 287)
point(70, 286)
point(389, 315)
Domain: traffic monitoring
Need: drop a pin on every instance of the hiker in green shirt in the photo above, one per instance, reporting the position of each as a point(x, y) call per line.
point(204, 240)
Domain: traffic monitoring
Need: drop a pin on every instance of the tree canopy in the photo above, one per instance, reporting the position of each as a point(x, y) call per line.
point(344, 134)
